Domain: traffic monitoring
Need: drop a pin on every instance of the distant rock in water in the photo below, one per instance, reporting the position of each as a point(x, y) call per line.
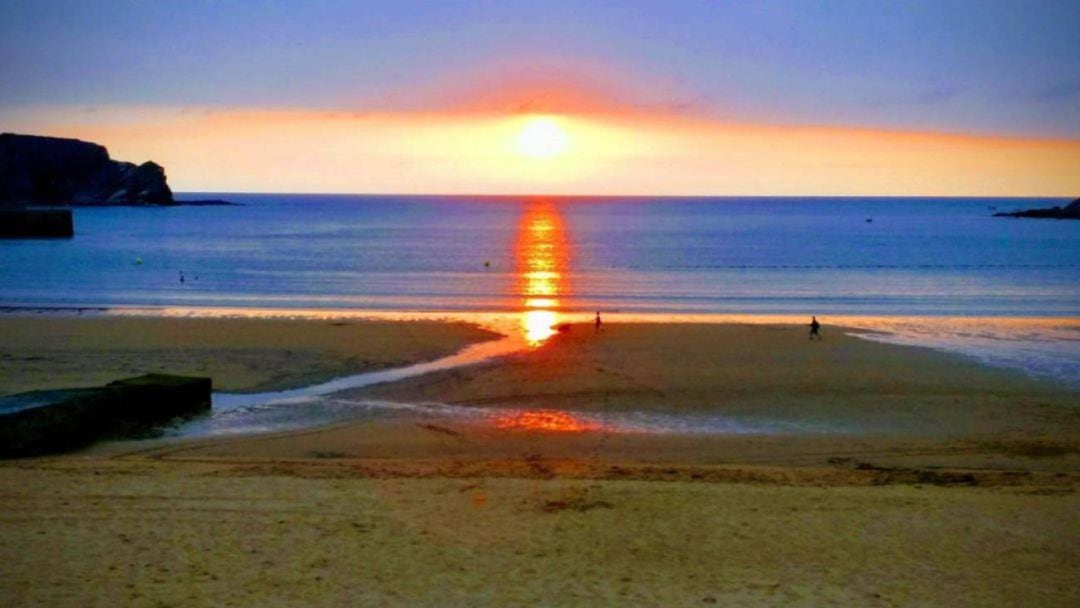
point(208, 202)
point(1069, 212)
point(38, 170)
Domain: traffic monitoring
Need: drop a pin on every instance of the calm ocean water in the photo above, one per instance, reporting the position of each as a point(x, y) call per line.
point(903, 258)
point(734, 255)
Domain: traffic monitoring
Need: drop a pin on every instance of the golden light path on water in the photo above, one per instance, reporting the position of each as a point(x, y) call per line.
point(541, 261)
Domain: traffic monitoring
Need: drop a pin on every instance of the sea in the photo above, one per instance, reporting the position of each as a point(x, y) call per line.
point(936, 272)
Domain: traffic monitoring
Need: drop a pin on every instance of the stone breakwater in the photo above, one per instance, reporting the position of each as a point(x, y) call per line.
point(41, 422)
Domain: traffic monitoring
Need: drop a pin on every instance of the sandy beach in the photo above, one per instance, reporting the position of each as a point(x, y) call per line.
point(936, 482)
point(241, 354)
point(144, 533)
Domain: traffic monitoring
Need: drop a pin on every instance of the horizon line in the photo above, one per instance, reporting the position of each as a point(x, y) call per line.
point(612, 196)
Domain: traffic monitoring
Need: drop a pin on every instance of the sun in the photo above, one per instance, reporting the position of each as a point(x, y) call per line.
point(542, 137)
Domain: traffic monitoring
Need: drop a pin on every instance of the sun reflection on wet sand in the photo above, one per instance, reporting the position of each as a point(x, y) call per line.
point(541, 261)
point(545, 420)
point(539, 325)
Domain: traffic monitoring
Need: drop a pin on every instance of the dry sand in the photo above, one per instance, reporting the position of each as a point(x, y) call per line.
point(963, 494)
point(241, 355)
point(146, 533)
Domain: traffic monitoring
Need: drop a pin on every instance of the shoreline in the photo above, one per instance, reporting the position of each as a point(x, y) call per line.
point(1043, 347)
point(195, 311)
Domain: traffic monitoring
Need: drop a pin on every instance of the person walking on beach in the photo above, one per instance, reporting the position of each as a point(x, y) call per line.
point(815, 328)
point(598, 321)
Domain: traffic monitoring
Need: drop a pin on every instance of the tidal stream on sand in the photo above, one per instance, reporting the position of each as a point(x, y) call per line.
point(1040, 347)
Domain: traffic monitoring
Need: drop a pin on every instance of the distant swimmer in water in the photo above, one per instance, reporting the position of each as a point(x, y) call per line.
point(815, 328)
point(598, 322)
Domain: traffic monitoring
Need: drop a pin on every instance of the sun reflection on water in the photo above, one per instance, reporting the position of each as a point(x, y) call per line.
point(541, 261)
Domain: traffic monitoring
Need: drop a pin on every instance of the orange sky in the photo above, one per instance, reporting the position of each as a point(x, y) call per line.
point(614, 151)
point(660, 98)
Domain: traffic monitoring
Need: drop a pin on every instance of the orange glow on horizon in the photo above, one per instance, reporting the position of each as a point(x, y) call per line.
point(541, 262)
point(619, 152)
point(545, 420)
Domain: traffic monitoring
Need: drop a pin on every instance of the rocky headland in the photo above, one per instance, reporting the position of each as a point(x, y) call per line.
point(54, 171)
point(1068, 212)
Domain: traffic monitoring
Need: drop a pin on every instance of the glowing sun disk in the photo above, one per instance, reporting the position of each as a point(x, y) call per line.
point(542, 137)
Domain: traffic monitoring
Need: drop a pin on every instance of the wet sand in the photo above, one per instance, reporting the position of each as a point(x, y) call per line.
point(861, 402)
point(956, 486)
point(242, 355)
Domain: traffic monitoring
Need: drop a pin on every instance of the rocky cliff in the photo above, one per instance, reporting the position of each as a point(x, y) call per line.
point(38, 170)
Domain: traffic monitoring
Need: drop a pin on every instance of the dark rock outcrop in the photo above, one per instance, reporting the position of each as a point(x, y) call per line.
point(207, 202)
point(1068, 212)
point(35, 223)
point(40, 422)
point(38, 170)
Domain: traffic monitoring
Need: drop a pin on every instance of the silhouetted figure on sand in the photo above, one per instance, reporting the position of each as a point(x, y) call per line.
point(815, 328)
point(598, 322)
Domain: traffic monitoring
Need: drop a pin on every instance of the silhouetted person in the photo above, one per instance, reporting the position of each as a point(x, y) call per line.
point(815, 328)
point(598, 322)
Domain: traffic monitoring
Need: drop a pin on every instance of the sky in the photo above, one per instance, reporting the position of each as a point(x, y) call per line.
point(941, 97)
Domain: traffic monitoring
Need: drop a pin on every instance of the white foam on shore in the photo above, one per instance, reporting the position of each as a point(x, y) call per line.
point(1047, 349)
